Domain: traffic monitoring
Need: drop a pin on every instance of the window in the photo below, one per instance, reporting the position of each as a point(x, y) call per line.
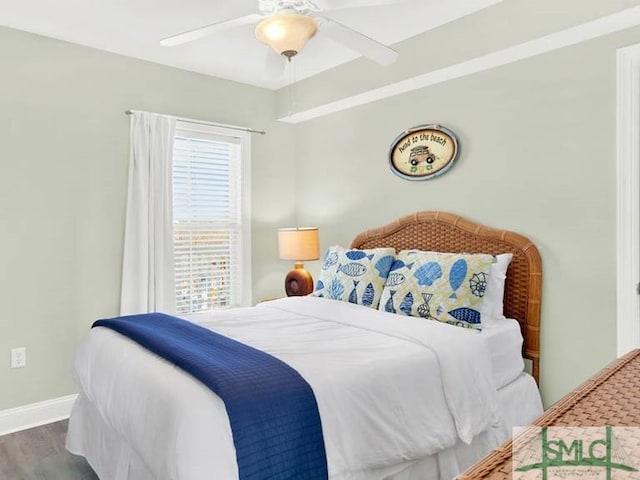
point(211, 224)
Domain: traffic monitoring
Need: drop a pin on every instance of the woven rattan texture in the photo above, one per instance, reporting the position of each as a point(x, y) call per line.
point(445, 232)
point(612, 397)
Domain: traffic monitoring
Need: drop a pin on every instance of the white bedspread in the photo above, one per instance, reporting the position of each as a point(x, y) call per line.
point(389, 388)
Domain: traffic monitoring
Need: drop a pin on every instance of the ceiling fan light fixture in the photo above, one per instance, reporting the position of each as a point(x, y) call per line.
point(286, 33)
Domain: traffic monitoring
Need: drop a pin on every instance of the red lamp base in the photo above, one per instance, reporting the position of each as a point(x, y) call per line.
point(298, 282)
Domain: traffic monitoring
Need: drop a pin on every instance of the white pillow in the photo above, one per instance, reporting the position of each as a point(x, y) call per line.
point(492, 308)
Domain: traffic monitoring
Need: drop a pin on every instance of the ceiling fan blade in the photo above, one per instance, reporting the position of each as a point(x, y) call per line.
point(274, 64)
point(197, 33)
point(340, 4)
point(357, 41)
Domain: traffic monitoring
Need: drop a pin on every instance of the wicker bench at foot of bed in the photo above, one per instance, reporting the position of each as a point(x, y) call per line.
point(611, 397)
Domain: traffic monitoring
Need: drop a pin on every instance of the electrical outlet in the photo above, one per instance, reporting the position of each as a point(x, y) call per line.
point(18, 357)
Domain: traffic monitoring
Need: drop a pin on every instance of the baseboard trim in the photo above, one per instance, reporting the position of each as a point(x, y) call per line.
point(35, 414)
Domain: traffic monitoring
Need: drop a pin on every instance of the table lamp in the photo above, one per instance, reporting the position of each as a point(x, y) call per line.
point(298, 244)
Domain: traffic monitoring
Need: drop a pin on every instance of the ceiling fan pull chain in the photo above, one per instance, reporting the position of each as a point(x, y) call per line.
point(291, 80)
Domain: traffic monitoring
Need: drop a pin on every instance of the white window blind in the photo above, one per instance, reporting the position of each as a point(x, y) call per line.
point(210, 231)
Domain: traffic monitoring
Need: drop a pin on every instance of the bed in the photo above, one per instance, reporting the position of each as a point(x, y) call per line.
point(399, 397)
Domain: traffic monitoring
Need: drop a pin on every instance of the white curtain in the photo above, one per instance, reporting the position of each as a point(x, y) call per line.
point(148, 283)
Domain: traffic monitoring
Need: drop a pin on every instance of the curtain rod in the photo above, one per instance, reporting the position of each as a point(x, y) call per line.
point(201, 122)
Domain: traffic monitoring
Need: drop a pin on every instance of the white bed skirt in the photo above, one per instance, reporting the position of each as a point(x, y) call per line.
point(112, 458)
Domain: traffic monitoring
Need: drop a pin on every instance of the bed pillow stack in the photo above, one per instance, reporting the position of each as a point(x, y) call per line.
point(448, 287)
point(356, 276)
point(465, 290)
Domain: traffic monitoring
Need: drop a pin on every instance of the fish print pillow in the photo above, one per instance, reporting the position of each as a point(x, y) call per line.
point(448, 287)
point(356, 276)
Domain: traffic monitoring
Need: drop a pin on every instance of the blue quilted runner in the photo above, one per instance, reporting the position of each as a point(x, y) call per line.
point(272, 410)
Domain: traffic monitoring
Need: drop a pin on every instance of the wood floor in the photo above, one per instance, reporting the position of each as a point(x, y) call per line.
point(39, 454)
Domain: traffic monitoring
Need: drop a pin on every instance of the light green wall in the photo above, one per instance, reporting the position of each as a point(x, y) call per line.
point(538, 152)
point(64, 146)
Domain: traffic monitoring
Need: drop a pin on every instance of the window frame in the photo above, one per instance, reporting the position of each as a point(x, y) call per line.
point(243, 139)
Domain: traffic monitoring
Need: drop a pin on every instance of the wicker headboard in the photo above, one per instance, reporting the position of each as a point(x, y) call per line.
point(444, 232)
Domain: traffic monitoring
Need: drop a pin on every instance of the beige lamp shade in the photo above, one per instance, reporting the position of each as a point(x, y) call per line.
point(298, 244)
point(286, 33)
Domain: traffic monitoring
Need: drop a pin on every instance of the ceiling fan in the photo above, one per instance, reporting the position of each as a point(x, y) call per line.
point(286, 26)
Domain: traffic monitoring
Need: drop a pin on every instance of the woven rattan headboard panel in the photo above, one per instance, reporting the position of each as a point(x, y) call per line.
point(444, 232)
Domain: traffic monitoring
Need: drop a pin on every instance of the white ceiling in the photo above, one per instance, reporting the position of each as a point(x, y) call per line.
point(135, 27)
